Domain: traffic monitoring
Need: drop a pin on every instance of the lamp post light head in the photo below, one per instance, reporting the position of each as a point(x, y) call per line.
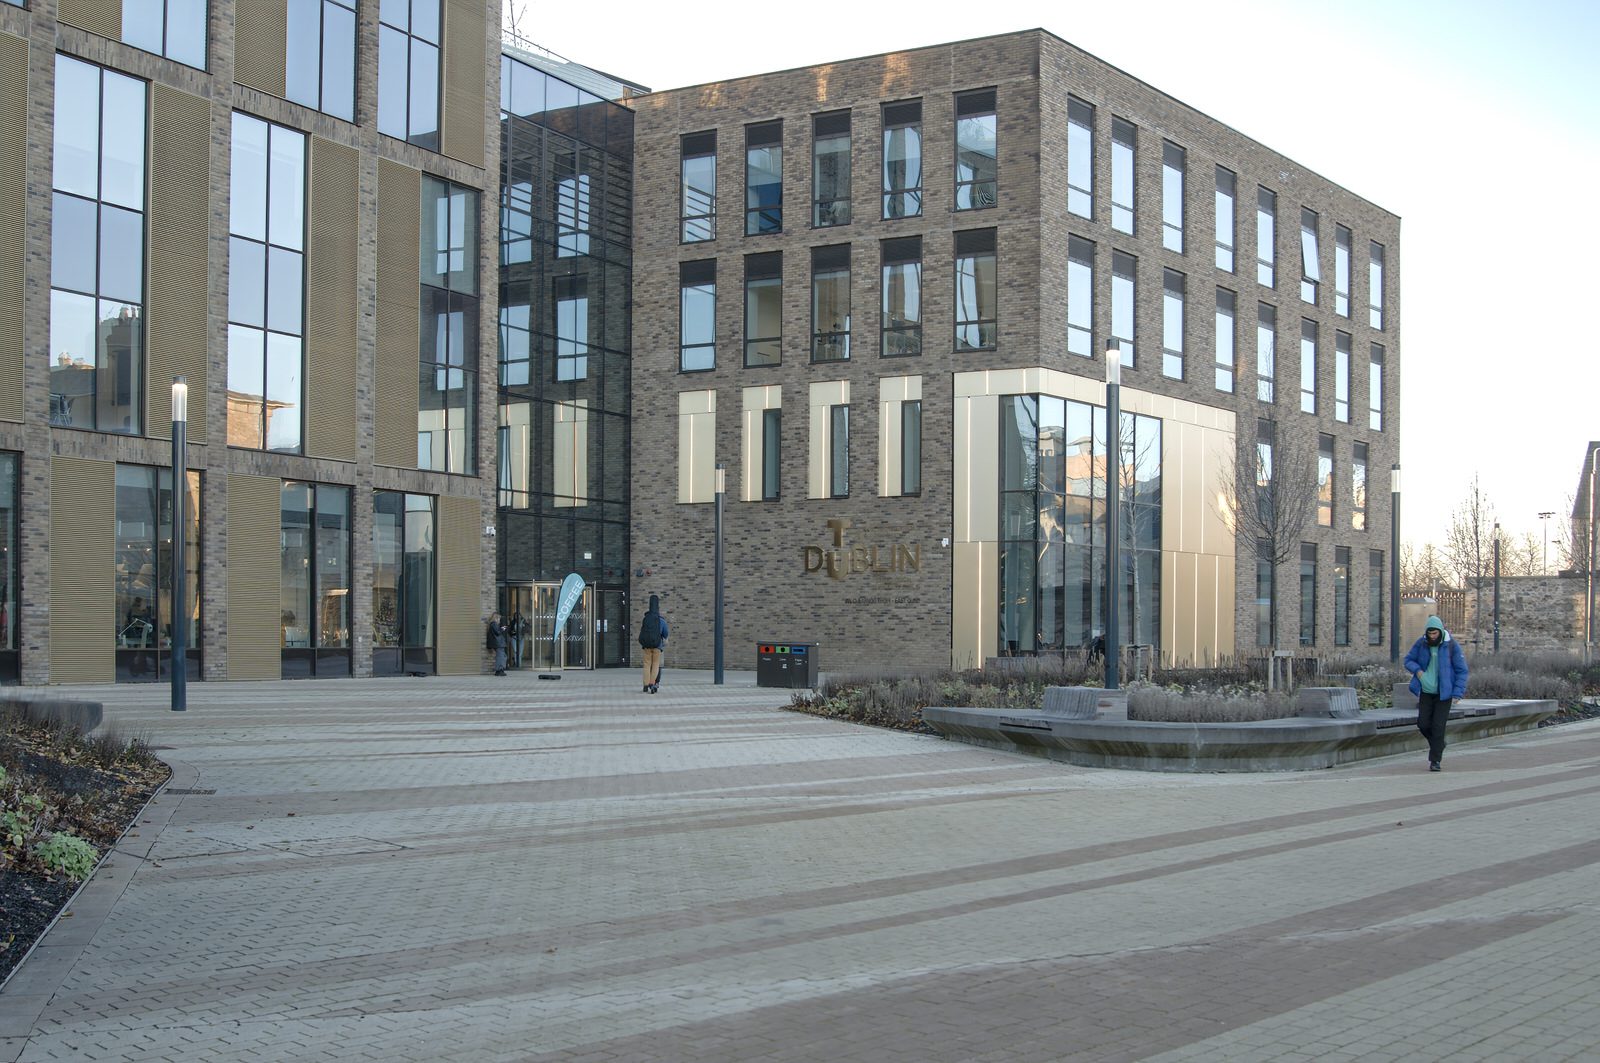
point(1394, 478)
point(1113, 362)
point(180, 399)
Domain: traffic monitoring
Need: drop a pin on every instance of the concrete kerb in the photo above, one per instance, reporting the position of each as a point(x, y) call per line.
point(1295, 744)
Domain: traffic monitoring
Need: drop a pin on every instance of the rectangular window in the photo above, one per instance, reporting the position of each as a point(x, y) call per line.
point(1225, 219)
point(1375, 389)
point(911, 447)
point(515, 448)
point(1225, 339)
point(1080, 158)
point(1080, 297)
point(1172, 295)
point(975, 149)
point(1310, 270)
point(902, 297)
point(571, 315)
point(1266, 434)
point(697, 315)
point(1341, 596)
point(976, 295)
point(569, 453)
point(1325, 481)
point(447, 416)
point(763, 309)
point(408, 71)
point(1375, 286)
point(1266, 354)
point(1308, 594)
point(830, 169)
point(763, 178)
point(1124, 139)
point(839, 451)
point(1266, 235)
point(771, 453)
point(902, 159)
point(315, 530)
point(1341, 271)
point(830, 303)
point(697, 209)
point(572, 216)
point(266, 284)
point(1358, 487)
point(1264, 594)
point(173, 28)
point(142, 574)
point(697, 446)
point(1308, 366)
point(320, 56)
point(1341, 377)
point(1173, 166)
point(1123, 296)
point(403, 583)
point(97, 240)
point(1375, 598)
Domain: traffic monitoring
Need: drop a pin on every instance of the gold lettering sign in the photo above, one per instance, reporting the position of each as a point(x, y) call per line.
point(841, 559)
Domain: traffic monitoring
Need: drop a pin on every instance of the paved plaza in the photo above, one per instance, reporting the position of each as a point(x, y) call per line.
point(492, 869)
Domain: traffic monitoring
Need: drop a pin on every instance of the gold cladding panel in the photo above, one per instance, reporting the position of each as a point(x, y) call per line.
point(260, 42)
point(83, 596)
point(331, 305)
point(13, 217)
point(460, 580)
point(465, 74)
point(180, 181)
point(255, 643)
point(973, 624)
point(101, 17)
point(396, 369)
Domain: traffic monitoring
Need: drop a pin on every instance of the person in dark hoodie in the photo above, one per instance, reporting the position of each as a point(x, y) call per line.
point(653, 639)
point(1438, 677)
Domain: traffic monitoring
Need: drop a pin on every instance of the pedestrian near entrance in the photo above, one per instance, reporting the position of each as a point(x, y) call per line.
point(653, 640)
point(518, 630)
point(496, 641)
point(1438, 678)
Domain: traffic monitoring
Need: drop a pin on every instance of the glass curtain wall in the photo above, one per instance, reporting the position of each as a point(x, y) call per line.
point(565, 291)
point(143, 574)
point(1053, 525)
point(315, 580)
point(402, 583)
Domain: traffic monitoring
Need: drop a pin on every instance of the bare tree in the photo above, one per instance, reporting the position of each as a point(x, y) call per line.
point(1469, 547)
point(1572, 540)
point(1521, 556)
point(1140, 455)
point(1269, 495)
point(1421, 570)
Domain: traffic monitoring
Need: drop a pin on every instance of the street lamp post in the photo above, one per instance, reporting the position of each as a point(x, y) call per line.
point(716, 650)
point(1394, 562)
point(180, 532)
point(1544, 567)
point(1113, 507)
point(1497, 586)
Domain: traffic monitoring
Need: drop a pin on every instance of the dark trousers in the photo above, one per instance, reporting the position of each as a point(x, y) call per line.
point(1432, 712)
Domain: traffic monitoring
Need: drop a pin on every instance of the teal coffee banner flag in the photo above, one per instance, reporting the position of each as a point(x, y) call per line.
point(571, 591)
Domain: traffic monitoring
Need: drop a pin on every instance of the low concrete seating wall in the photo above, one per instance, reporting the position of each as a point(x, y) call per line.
point(83, 716)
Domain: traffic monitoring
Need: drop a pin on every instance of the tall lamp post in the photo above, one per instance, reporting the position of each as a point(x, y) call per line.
point(1113, 507)
point(1497, 586)
point(1594, 543)
point(716, 650)
point(1394, 562)
point(180, 533)
point(1544, 567)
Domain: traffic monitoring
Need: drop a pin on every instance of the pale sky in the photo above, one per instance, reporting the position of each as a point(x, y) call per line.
point(1476, 121)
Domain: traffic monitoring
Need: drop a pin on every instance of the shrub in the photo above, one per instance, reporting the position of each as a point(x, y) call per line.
point(68, 854)
point(1155, 704)
point(19, 821)
point(1496, 681)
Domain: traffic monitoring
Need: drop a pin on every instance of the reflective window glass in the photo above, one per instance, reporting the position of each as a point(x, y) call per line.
point(1122, 304)
point(1266, 352)
point(77, 127)
point(977, 294)
point(1225, 340)
point(975, 150)
point(1308, 366)
point(1080, 158)
point(830, 169)
point(763, 178)
point(1225, 222)
point(1341, 271)
point(902, 159)
point(1080, 297)
point(1341, 377)
point(1173, 166)
point(1310, 270)
point(1124, 138)
point(1172, 298)
point(1375, 286)
point(73, 243)
point(902, 297)
point(1266, 221)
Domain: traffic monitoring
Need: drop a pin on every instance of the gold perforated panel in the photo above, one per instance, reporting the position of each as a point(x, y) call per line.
point(260, 31)
point(102, 17)
point(331, 302)
point(255, 505)
point(396, 369)
point(465, 73)
point(83, 601)
point(13, 217)
point(180, 184)
point(460, 576)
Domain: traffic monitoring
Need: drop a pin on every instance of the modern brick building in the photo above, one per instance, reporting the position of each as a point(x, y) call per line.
point(879, 291)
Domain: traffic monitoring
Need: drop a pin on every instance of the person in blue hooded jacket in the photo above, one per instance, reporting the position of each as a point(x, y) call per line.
point(1438, 677)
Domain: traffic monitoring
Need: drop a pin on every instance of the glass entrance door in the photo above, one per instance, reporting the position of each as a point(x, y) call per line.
point(541, 649)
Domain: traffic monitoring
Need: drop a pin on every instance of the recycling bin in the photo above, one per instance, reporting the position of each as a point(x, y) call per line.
point(786, 664)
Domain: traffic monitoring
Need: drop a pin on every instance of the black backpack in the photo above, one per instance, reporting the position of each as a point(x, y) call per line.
point(488, 638)
point(650, 631)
